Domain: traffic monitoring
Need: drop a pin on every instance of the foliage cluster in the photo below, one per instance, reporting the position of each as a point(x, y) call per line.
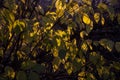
point(68, 41)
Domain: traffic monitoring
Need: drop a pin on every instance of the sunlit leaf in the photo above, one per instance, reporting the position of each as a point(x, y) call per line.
point(55, 52)
point(12, 17)
point(102, 21)
point(97, 17)
point(40, 9)
point(87, 2)
point(18, 26)
point(86, 19)
point(76, 7)
point(58, 41)
point(10, 72)
point(82, 74)
point(36, 24)
point(102, 6)
point(84, 47)
point(23, 1)
point(69, 67)
point(82, 34)
point(60, 6)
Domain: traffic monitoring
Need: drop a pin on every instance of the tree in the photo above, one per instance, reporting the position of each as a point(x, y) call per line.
point(67, 40)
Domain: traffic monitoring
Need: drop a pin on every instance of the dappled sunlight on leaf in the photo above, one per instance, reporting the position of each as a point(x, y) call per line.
point(69, 67)
point(56, 62)
point(9, 72)
point(59, 40)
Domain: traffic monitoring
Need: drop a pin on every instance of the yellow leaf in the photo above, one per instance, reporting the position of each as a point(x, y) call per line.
point(12, 75)
point(58, 41)
point(36, 24)
point(10, 72)
point(87, 1)
point(12, 17)
point(60, 33)
point(97, 17)
point(84, 47)
point(23, 1)
point(102, 6)
point(31, 34)
point(102, 21)
point(82, 34)
point(60, 7)
point(81, 74)
point(55, 52)
point(86, 19)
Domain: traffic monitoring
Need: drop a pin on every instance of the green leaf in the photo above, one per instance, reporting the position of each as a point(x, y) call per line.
point(12, 17)
point(108, 44)
point(38, 68)
point(116, 65)
point(77, 64)
point(33, 76)
point(62, 53)
point(60, 6)
point(93, 57)
point(21, 75)
point(27, 65)
point(56, 62)
point(3, 78)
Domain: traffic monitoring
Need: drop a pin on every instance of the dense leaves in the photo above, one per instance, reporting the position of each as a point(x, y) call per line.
point(68, 40)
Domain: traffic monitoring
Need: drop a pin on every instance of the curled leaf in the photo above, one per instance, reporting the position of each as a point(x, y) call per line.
point(83, 34)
